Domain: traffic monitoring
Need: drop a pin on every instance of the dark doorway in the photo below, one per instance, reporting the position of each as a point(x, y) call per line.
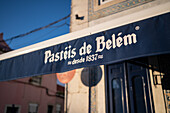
point(128, 88)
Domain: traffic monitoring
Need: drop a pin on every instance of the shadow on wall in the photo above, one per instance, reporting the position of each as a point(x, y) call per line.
point(91, 76)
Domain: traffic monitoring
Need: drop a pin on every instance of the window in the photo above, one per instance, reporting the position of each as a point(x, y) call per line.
point(58, 108)
point(36, 80)
point(50, 109)
point(117, 96)
point(12, 109)
point(139, 95)
point(33, 108)
point(104, 1)
point(103, 8)
point(104, 4)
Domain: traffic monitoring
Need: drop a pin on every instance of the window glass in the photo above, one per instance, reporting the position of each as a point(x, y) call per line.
point(104, 1)
point(139, 94)
point(12, 109)
point(117, 96)
point(50, 109)
point(35, 80)
point(33, 108)
point(58, 108)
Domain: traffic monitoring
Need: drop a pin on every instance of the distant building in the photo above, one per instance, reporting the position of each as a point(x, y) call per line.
point(38, 94)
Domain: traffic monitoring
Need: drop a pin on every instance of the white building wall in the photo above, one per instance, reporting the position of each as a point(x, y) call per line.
point(78, 93)
point(127, 12)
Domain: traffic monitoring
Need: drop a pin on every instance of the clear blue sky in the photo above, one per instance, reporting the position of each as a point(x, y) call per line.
point(21, 16)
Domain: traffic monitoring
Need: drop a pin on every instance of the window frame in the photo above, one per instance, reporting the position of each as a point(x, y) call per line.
point(36, 80)
point(101, 2)
point(34, 105)
point(58, 106)
point(10, 105)
point(48, 106)
point(98, 6)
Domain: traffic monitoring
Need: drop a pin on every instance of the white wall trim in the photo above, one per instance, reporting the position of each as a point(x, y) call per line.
point(141, 15)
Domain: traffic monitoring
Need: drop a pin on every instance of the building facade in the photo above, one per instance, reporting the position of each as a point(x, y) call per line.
point(120, 52)
point(37, 94)
point(137, 85)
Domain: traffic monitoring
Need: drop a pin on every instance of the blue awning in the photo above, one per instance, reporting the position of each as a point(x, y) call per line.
point(143, 38)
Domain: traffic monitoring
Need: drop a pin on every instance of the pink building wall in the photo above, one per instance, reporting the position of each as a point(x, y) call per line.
point(20, 92)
